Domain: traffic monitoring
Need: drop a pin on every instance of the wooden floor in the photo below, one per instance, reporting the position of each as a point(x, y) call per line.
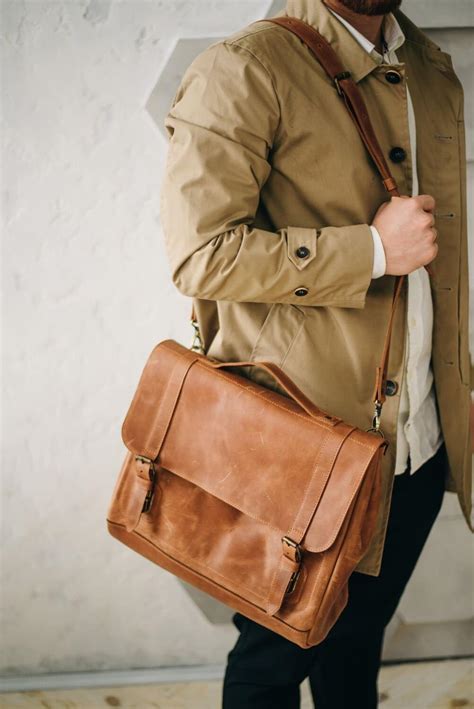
point(430, 685)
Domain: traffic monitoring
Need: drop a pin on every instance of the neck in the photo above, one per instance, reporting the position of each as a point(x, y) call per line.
point(368, 25)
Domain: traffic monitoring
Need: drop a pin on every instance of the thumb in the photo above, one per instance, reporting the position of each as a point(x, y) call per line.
point(383, 206)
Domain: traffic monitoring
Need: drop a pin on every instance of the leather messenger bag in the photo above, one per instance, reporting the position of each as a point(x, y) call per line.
point(254, 496)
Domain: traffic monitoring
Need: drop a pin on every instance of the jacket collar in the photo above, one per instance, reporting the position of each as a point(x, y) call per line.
point(352, 55)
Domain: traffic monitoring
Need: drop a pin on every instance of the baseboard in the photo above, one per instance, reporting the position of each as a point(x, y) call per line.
point(121, 678)
point(111, 678)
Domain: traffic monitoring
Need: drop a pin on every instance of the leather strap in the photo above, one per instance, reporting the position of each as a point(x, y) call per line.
point(158, 419)
point(354, 103)
point(289, 563)
point(347, 89)
point(288, 385)
point(350, 93)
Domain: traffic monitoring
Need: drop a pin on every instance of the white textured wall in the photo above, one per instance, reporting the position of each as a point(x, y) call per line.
point(86, 294)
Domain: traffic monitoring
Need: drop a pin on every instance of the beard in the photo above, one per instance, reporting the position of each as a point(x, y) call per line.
point(372, 7)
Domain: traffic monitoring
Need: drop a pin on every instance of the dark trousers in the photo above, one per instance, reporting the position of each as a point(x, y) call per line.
point(264, 670)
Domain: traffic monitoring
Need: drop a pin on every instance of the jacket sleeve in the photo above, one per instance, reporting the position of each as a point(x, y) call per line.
point(221, 126)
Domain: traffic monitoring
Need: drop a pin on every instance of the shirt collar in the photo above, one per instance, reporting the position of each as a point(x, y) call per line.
point(392, 33)
point(353, 56)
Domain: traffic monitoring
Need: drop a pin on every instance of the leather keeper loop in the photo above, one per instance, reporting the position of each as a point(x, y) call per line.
point(285, 570)
point(135, 503)
point(389, 184)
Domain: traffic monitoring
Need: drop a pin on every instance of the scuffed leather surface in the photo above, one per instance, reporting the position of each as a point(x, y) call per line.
point(238, 467)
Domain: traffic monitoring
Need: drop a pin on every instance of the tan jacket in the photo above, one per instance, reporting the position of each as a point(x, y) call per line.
point(263, 160)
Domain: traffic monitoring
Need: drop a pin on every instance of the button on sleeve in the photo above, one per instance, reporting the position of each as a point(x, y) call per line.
point(221, 126)
point(302, 243)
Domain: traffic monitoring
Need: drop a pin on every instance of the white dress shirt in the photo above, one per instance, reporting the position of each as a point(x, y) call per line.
point(418, 431)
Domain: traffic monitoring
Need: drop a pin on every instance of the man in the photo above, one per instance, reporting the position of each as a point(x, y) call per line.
point(278, 226)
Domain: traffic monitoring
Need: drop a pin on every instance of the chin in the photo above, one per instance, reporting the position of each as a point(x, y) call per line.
point(372, 7)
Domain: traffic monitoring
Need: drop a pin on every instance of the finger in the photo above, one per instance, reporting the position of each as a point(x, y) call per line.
point(426, 202)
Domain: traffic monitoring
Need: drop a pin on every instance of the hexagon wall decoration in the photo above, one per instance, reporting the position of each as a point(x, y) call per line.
point(183, 53)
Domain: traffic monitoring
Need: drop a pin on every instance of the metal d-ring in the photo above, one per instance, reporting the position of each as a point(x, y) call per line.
point(375, 428)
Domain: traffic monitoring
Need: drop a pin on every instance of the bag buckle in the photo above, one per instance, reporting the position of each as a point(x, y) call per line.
point(293, 551)
point(152, 475)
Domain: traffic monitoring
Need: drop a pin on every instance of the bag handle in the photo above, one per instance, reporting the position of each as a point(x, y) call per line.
point(350, 93)
point(287, 384)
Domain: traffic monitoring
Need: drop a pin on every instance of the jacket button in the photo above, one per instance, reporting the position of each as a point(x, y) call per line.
point(397, 154)
point(302, 252)
point(391, 387)
point(393, 77)
point(302, 290)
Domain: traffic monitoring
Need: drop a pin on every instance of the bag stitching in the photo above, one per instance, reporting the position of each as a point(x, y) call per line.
point(316, 465)
point(309, 418)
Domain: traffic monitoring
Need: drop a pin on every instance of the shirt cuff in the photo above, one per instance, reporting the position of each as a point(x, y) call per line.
point(380, 264)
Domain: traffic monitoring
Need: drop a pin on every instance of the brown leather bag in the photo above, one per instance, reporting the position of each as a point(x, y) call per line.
point(260, 499)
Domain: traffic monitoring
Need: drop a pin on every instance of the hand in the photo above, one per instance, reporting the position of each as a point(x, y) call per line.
point(406, 228)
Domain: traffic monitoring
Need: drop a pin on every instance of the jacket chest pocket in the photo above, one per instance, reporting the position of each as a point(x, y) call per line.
point(276, 339)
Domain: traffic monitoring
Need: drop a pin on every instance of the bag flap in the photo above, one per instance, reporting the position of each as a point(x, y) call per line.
point(251, 447)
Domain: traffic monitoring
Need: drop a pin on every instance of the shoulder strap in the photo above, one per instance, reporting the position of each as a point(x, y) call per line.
point(346, 88)
point(352, 97)
point(349, 92)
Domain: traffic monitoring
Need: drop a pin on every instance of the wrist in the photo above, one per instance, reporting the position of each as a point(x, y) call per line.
point(379, 263)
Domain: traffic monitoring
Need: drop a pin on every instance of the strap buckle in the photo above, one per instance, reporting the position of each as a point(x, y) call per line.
point(340, 77)
point(293, 551)
point(152, 475)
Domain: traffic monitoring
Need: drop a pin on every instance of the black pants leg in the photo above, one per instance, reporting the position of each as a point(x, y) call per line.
point(264, 670)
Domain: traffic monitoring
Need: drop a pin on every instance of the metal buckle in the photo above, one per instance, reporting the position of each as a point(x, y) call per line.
point(152, 475)
point(375, 428)
point(298, 556)
point(294, 545)
point(339, 77)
